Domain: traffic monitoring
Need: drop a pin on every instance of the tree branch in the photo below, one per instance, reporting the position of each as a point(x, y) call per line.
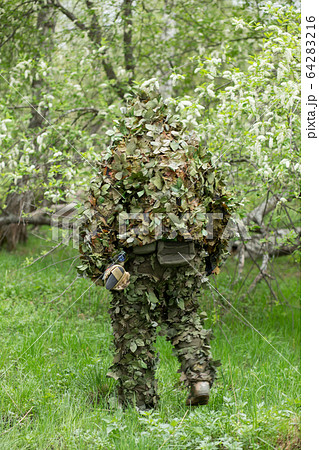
point(36, 220)
point(95, 35)
point(70, 15)
point(262, 272)
point(10, 36)
point(84, 110)
point(257, 215)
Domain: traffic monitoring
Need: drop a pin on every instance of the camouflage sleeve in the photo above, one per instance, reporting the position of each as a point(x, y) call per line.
point(96, 245)
point(220, 204)
point(216, 259)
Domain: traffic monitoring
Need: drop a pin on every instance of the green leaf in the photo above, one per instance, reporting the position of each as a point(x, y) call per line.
point(130, 147)
point(133, 347)
point(174, 165)
point(174, 145)
point(180, 303)
point(157, 181)
point(142, 364)
point(152, 297)
point(105, 188)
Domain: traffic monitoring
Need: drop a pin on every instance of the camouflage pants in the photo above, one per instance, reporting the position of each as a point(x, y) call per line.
point(163, 296)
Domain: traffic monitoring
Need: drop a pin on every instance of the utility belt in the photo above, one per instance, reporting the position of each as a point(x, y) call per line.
point(169, 253)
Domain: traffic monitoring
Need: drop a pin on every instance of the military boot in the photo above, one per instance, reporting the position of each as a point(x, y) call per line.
point(199, 394)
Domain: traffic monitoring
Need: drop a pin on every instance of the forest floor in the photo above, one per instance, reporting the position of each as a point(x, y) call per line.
point(56, 349)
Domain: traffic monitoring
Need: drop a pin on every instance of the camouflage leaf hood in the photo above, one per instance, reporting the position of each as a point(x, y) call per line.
point(153, 178)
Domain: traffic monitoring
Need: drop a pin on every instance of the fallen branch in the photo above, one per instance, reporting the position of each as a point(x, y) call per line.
point(42, 217)
point(40, 220)
point(257, 215)
point(277, 244)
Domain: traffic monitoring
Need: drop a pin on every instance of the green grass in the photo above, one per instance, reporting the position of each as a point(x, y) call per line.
point(55, 393)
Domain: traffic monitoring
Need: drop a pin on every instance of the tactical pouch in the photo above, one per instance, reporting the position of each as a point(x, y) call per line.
point(171, 253)
point(116, 277)
point(145, 249)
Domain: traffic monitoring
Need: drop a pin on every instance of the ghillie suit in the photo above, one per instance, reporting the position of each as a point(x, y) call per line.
point(154, 198)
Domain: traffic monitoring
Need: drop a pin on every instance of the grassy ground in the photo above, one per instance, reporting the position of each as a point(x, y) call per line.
point(55, 351)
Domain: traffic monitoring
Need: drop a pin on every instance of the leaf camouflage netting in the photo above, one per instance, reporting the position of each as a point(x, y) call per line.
point(155, 169)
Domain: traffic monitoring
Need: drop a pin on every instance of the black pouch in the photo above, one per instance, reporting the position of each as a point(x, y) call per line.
point(171, 253)
point(145, 249)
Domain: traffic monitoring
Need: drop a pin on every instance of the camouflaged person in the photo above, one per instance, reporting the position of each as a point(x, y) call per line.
point(154, 198)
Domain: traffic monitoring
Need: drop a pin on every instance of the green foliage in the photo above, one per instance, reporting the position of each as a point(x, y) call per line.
point(56, 394)
point(252, 115)
point(233, 68)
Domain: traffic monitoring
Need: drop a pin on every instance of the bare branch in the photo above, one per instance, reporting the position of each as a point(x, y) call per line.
point(70, 15)
point(262, 271)
point(33, 220)
point(278, 245)
point(41, 217)
point(257, 215)
point(241, 262)
point(9, 37)
point(81, 109)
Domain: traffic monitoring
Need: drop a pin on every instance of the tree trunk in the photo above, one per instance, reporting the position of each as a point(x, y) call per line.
point(15, 232)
